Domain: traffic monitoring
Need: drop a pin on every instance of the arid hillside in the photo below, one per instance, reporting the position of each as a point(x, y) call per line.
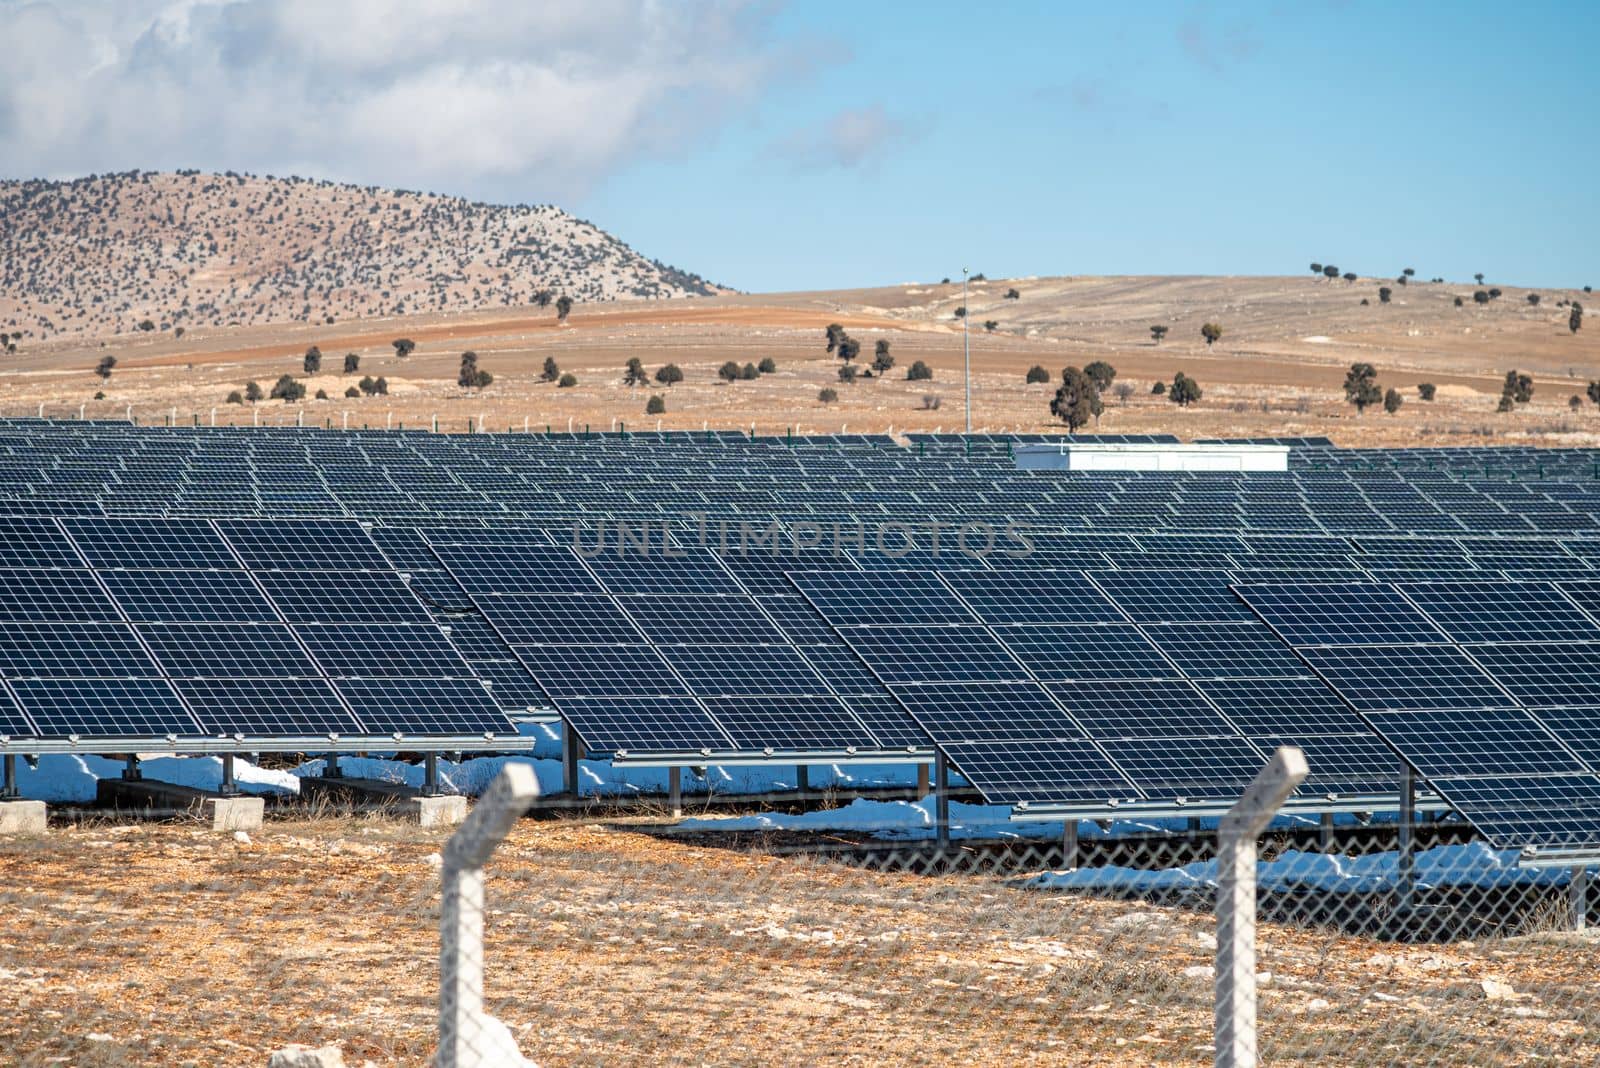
point(1278, 367)
point(106, 255)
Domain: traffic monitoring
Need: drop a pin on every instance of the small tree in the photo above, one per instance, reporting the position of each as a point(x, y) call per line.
point(1593, 392)
point(1392, 401)
point(1533, 299)
point(563, 308)
point(728, 372)
point(352, 391)
point(1330, 272)
point(931, 402)
point(1077, 400)
point(635, 374)
point(1494, 294)
point(1361, 386)
point(1101, 374)
point(847, 372)
point(767, 366)
point(1479, 278)
point(1158, 332)
point(1459, 302)
point(367, 385)
point(404, 347)
point(1159, 389)
point(1384, 293)
point(1518, 386)
point(313, 361)
point(1316, 268)
point(1012, 294)
point(881, 359)
point(669, 374)
point(1575, 317)
point(235, 398)
point(849, 348)
point(147, 325)
point(322, 394)
point(103, 368)
point(1426, 390)
point(1185, 390)
point(288, 389)
point(1211, 332)
point(1505, 405)
point(551, 370)
point(543, 298)
point(835, 334)
point(1124, 391)
point(990, 325)
point(1574, 402)
point(352, 363)
point(1037, 374)
point(567, 381)
point(1349, 276)
point(470, 375)
point(827, 395)
point(1480, 297)
point(961, 312)
point(919, 372)
point(656, 405)
point(252, 392)
point(749, 372)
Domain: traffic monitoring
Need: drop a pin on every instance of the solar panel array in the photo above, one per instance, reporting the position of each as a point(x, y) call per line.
point(118, 628)
point(1064, 637)
point(1491, 690)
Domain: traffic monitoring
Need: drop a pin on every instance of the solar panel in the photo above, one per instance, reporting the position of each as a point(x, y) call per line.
point(103, 708)
point(887, 719)
point(566, 672)
point(713, 671)
point(1085, 652)
point(1374, 678)
point(1140, 709)
point(338, 597)
point(1184, 768)
point(149, 543)
point(558, 619)
point(521, 567)
point(1547, 675)
point(913, 654)
point(987, 712)
point(1515, 811)
point(189, 596)
point(257, 707)
point(1501, 611)
point(1286, 707)
point(1345, 614)
point(72, 650)
point(792, 722)
point(1498, 741)
point(357, 650)
point(696, 571)
point(624, 725)
point(423, 706)
point(885, 598)
point(1064, 772)
point(13, 724)
point(1224, 650)
point(1172, 596)
point(34, 595)
point(1018, 596)
point(681, 619)
point(226, 650)
point(280, 544)
point(34, 542)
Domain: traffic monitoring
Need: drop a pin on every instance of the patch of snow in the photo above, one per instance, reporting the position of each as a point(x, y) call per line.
point(1318, 339)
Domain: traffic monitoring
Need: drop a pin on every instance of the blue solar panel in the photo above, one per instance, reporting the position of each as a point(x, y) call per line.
point(880, 599)
point(716, 671)
point(1085, 652)
point(1184, 768)
point(1019, 596)
point(280, 544)
point(72, 650)
point(682, 619)
point(1137, 709)
point(558, 619)
point(149, 543)
point(424, 706)
point(635, 726)
point(103, 708)
point(1063, 772)
point(226, 650)
point(987, 712)
point(793, 722)
point(1373, 678)
point(566, 672)
point(1498, 741)
point(1224, 650)
point(34, 542)
point(33, 595)
point(263, 707)
point(338, 597)
point(1344, 614)
point(914, 654)
point(1501, 611)
point(189, 596)
point(367, 650)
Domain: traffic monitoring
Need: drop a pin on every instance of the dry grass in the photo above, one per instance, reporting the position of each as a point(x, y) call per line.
point(166, 944)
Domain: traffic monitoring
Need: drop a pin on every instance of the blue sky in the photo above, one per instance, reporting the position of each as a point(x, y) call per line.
point(817, 144)
point(1193, 138)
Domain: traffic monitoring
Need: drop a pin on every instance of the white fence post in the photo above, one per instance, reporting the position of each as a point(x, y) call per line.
point(1236, 905)
point(461, 1040)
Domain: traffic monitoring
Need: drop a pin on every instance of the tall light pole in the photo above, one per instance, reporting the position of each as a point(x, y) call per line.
point(966, 347)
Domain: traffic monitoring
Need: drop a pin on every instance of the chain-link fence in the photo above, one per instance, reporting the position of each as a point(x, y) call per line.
point(801, 938)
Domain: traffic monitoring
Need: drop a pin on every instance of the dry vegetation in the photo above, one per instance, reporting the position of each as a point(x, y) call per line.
point(144, 944)
point(1278, 368)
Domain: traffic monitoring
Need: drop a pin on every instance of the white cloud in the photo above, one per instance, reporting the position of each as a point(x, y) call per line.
point(855, 138)
point(513, 100)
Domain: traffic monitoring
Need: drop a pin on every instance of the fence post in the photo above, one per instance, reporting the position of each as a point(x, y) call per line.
point(461, 1038)
point(1236, 905)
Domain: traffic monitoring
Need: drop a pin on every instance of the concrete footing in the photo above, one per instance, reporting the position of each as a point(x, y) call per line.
point(164, 798)
point(23, 817)
point(404, 801)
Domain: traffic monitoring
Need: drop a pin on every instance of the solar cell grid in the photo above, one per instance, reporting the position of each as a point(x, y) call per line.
point(357, 650)
point(33, 542)
point(1282, 706)
point(988, 712)
point(179, 596)
point(149, 543)
point(1501, 611)
point(32, 594)
point(1547, 675)
point(1499, 741)
point(339, 597)
point(1187, 768)
point(1339, 614)
point(732, 670)
point(912, 654)
point(1064, 652)
point(263, 707)
point(880, 599)
point(1401, 677)
point(103, 708)
point(1224, 650)
point(521, 567)
point(226, 650)
point(793, 723)
point(417, 706)
point(566, 672)
point(1172, 596)
point(1143, 709)
point(558, 619)
point(1514, 811)
point(72, 650)
point(675, 619)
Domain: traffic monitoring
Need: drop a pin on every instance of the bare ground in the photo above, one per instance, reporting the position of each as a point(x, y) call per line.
point(145, 943)
point(1277, 370)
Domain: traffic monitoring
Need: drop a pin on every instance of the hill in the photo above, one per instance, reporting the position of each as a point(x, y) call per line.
point(101, 255)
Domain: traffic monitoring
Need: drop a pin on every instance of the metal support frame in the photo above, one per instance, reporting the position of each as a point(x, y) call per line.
point(941, 797)
point(430, 775)
point(330, 767)
point(922, 780)
point(1325, 832)
point(802, 778)
point(675, 791)
point(571, 753)
point(9, 787)
point(1406, 877)
point(1069, 845)
point(130, 768)
point(1235, 1020)
point(228, 787)
point(1578, 898)
point(462, 1036)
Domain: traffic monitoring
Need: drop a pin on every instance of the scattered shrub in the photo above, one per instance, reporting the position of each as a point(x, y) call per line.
point(567, 381)
point(919, 372)
point(827, 395)
point(656, 405)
